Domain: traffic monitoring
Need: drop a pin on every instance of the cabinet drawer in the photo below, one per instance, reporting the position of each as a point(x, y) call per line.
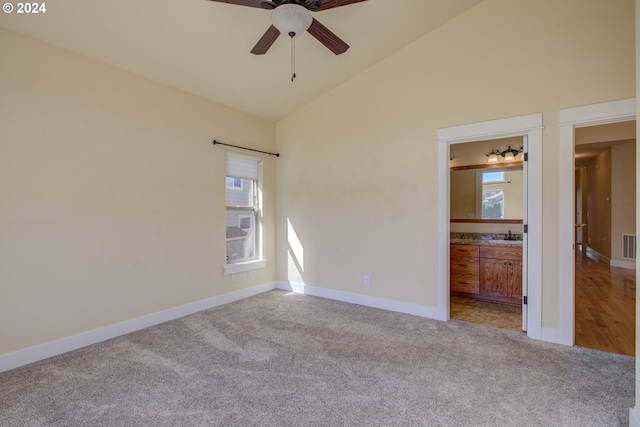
point(465, 266)
point(468, 284)
point(466, 251)
point(501, 252)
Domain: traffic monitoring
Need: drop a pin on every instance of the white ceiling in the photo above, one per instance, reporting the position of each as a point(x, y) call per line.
point(203, 47)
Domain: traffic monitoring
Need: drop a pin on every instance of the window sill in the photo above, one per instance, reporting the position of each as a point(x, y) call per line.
point(239, 267)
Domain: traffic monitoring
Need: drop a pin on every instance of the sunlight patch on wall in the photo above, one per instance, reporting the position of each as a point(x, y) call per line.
point(295, 255)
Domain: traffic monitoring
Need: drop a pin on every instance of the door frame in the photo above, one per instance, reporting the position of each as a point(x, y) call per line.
point(530, 127)
point(571, 118)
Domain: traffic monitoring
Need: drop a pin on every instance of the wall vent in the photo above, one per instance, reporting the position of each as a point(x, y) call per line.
point(629, 246)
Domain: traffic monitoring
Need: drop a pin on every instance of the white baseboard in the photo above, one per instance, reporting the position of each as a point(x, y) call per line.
point(633, 418)
point(547, 334)
point(631, 265)
point(385, 304)
point(63, 345)
point(597, 255)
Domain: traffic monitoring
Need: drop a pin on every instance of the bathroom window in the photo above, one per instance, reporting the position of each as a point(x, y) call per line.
point(493, 195)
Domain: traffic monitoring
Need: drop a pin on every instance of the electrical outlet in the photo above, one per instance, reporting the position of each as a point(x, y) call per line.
point(367, 280)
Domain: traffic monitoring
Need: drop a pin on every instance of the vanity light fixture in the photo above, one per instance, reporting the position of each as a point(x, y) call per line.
point(493, 156)
point(509, 155)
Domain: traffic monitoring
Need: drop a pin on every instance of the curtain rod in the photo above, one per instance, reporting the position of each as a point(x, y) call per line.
point(243, 148)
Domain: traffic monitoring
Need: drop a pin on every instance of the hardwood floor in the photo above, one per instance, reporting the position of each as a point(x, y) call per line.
point(605, 301)
point(605, 308)
point(486, 313)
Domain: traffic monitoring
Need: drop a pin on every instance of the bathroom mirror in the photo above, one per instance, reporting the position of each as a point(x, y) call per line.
point(482, 194)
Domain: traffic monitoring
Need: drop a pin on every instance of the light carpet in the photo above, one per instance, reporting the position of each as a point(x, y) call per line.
point(283, 359)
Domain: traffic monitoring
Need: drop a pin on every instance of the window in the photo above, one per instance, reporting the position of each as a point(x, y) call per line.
point(233, 183)
point(492, 177)
point(243, 211)
point(493, 195)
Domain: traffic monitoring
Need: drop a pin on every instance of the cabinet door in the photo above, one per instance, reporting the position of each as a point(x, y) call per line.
point(515, 288)
point(494, 277)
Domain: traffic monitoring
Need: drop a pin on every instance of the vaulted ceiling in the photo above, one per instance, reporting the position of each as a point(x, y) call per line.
point(203, 47)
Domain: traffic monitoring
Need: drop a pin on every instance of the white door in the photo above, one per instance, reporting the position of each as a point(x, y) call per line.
point(525, 235)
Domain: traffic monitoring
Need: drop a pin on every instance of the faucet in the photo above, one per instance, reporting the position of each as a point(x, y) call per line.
point(509, 236)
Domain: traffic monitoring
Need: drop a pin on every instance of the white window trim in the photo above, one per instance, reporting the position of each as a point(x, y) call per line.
point(242, 266)
point(258, 262)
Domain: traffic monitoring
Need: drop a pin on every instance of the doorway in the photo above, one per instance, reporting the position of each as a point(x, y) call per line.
point(487, 196)
point(570, 120)
point(529, 127)
point(605, 199)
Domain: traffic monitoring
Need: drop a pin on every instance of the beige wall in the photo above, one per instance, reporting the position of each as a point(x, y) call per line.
point(475, 153)
point(462, 191)
point(513, 196)
point(599, 204)
point(358, 177)
point(623, 195)
point(112, 195)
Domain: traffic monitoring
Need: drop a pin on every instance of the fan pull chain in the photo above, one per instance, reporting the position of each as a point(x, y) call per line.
point(293, 55)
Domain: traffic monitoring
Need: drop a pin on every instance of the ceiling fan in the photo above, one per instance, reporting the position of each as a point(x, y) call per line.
point(293, 17)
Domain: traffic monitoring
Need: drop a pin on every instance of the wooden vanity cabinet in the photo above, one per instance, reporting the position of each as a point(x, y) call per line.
point(465, 269)
point(492, 273)
point(501, 274)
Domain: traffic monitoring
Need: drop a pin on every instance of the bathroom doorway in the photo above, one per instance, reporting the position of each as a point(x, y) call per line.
point(529, 128)
point(487, 202)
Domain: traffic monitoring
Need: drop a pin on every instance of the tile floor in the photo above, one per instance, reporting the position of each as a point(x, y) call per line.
point(486, 313)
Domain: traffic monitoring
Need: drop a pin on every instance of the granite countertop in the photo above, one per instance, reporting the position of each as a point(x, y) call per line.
point(481, 242)
point(485, 239)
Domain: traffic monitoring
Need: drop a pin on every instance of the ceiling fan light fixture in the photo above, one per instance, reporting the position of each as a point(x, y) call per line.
point(291, 19)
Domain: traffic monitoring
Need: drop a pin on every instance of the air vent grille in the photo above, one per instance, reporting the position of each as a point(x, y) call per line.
point(629, 246)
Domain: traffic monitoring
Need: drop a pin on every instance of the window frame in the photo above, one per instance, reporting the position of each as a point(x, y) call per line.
point(253, 211)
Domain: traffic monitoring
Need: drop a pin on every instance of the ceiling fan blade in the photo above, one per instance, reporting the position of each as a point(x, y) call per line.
point(266, 41)
point(330, 4)
point(268, 5)
point(250, 3)
point(334, 43)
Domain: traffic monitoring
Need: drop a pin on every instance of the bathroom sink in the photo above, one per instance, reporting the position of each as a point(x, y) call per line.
point(506, 242)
